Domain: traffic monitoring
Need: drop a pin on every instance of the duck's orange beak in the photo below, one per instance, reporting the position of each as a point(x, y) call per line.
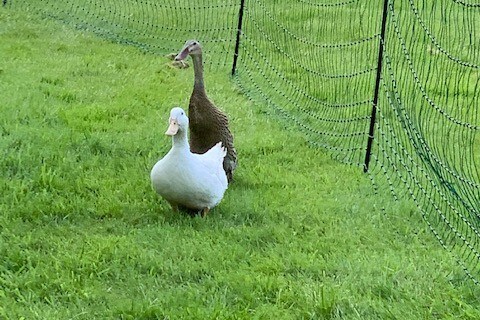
point(172, 128)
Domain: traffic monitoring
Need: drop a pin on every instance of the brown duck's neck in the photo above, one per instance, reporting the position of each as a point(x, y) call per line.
point(198, 71)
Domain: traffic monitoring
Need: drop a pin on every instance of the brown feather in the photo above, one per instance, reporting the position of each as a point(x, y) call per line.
point(208, 125)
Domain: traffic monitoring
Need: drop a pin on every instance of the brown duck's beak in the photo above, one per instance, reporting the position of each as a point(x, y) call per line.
point(172, 128)
point(183, 54)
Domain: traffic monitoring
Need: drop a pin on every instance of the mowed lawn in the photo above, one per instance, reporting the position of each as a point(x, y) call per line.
point(83, 235)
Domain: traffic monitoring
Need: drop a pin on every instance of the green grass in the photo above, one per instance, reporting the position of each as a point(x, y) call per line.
point(83, 235)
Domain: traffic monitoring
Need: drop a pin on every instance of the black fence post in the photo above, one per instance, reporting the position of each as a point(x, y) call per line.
point(377, 88)
point(239, 32)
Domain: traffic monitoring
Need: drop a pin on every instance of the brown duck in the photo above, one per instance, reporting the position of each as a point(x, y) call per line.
point(208, 125)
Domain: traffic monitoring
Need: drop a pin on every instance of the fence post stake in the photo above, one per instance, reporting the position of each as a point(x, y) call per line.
point(239, 32)
point(377, 87)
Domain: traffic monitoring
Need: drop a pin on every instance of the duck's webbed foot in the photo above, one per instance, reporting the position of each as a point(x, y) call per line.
point(204, 212)
point(174, 206)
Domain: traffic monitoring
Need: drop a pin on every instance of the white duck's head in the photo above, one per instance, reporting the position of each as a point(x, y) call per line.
point(191, 47)
point(178, 122)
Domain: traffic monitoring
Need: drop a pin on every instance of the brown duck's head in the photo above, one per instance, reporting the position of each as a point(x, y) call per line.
point(191, 47)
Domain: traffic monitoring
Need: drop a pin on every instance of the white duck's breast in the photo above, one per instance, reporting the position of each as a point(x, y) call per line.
point(180, 179)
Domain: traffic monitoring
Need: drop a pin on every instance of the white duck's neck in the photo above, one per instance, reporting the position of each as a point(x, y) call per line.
point(180, 141)
point(198, 71)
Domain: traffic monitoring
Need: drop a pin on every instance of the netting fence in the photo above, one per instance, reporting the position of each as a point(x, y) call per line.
point(392, 86)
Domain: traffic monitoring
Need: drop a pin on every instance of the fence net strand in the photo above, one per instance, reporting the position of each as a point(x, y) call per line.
point(315, 65)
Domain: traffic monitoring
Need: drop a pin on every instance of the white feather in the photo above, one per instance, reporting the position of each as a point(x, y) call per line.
point(195, 181)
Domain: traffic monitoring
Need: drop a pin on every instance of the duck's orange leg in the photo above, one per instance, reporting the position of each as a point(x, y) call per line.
point(174, 206)
point(204, 212)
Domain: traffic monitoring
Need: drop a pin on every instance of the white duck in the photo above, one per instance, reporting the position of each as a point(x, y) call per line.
point(185, 179)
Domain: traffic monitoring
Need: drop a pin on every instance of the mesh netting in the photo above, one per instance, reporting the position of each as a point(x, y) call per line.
point(330, 67)
point(427, 133)
point(159, 27)
point(317, 74)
